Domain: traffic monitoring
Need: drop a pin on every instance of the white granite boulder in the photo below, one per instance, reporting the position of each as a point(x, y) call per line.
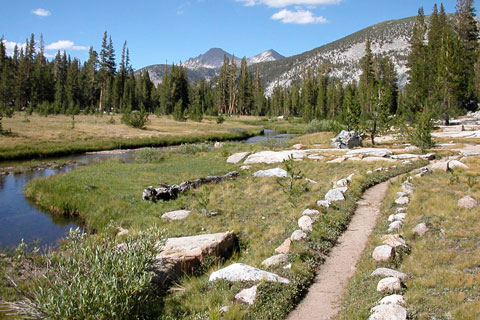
point(389, 284)
point(387, 272)
point(275, 172)
point(397, 217)
point(335, 195)
point(452, 164)
point(420, 229)
point(243, 272)
point(275, 260)
point(383, 253)
point(298, 235)
point(176, 215)
point(284, 247)
point(402, 200)
point(340, 183)
point(373, 152)
point(310, 212)
point(467, 202)
point(247, 296)
point(394, 240)
point(395, 226)
point(388, 312)
point(237, 157)
point(347, 140)
point(323, 203)
point(305, 223)
point(393, 299)
point(441, 165)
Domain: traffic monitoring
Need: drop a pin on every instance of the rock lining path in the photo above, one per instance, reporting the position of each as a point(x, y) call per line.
point(324, 296)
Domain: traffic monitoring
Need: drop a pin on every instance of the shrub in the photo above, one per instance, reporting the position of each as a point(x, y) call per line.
point(149, 155)
point(220, 119)
point(94, 279)
point(322, 125)
point(135, 119)
point(421, 136)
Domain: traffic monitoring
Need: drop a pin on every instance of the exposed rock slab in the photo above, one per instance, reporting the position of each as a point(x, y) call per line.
point(182, 255)
point(467, 202)
point(387, 272)
point(247, 296)
point(275, 260)
point(243, 272)
point(176, 215)
point(374, 152)
point(452, 164)
point(237, 157)
point(275, 172)
point(388, 312)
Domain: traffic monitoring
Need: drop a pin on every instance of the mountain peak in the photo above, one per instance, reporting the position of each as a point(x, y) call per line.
point(268, 55)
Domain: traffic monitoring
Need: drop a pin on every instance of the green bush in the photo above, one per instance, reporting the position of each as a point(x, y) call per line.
point(135, 119)
point(149, 155)
point(220, 119)
point(421, 135)
point(322, 125)
point(94, 279)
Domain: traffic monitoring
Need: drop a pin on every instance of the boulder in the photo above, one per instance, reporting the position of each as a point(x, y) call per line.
point(407, 189)
point(337, 160)
point(323, 203)
point(401, 209)
point(394, 240)
point(350, 177)
point(347, 140)
point(441, 165)
point(389, 284)
point(184, 254)
point(275, 172)
point(373, 152)
point(397, 217)
point(340, 183)
point(428, 156)
point(275, 260)
point(393, 299)
point(452, 164)
point(298, 146)
point(467, 202)
point(335, 195)
point(247, 296)
point(284, 247)
point(395, 226)
point(423, 171)
point(383, 253)
point(245, 167)
point(310, 212)
point(412, 148)
point(298, 235)
point(217, 144)
point(386, 272)
point(243, 272)
point(305, 223)
point(388, 312)
point(237, 157)
point(420, 229)
point(121, 232)
point(176, 215)
point(402, 200)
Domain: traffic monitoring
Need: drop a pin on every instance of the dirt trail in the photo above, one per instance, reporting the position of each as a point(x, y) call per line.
point(323, 298)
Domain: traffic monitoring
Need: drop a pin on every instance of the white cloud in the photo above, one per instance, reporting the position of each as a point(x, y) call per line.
point(65, 45)
point(286, 3)
point(298, 17)
point(42, 12)
point(10, 46)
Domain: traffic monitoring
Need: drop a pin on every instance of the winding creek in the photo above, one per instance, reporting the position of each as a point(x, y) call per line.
point(21, 219)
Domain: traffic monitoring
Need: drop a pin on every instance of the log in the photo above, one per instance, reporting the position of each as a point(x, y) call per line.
point(171, 192)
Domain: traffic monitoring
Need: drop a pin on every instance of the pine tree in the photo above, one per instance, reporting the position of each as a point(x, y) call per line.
point(259, 98)
point(245, 95)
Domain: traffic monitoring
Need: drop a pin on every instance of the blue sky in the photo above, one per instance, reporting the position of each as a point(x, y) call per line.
point(159, 31)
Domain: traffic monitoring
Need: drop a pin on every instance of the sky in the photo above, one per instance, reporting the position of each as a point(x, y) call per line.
point(171, 31)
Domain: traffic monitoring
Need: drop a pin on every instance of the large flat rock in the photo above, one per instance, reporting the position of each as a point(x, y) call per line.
point(237, 157)
point(275, 172)
point(184, 254)
point(242, 272)
point(373, 152)
point(176, 215)
point(279, 156)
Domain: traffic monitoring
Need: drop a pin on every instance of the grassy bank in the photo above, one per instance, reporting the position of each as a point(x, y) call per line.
point(443, 265)
point(262, 213)
point(53, 136)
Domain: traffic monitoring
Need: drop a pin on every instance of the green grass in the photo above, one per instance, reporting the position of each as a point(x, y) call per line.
point(292, 126)
point(443, 265)
point(108, 194)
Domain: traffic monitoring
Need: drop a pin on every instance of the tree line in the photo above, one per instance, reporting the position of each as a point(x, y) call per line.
point(443, 81)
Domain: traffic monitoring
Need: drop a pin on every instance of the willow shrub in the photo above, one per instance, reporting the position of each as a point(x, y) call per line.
point(92, 278)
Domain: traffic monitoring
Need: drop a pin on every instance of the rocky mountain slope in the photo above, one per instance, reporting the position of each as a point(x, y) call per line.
point(388, 38)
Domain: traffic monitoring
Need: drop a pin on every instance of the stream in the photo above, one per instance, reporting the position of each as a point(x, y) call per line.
point(21, 219)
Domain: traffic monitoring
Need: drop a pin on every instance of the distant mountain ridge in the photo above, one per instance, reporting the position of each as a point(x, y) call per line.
point(208, 64)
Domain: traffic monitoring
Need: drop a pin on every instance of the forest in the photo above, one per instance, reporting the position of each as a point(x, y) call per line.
point(442, 83)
